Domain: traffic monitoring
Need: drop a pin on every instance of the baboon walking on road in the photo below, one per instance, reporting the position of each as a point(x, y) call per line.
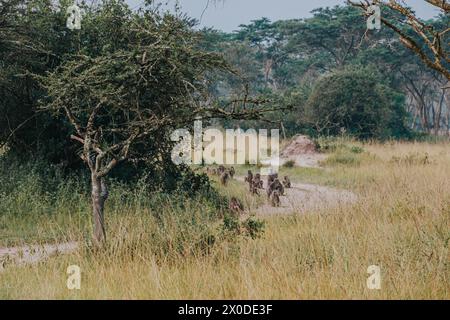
point(249, 176)
point(275, 198)
point(275, 186)
point(287, 182)
point(271, 178)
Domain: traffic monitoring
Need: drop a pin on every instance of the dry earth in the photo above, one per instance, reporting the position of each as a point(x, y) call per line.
point(302, 198)
point(33, 253)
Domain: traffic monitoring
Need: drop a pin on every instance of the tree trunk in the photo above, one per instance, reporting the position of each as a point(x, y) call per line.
point(438, 115)
point(99, 196)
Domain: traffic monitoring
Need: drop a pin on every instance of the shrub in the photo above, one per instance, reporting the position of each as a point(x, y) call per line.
point(355, 102)
point(289, 164)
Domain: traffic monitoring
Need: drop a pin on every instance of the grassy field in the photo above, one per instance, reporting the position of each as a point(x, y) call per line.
point(162, 249)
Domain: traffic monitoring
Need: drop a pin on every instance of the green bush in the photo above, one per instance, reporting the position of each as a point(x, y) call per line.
point(354, 101)
point(289, 164)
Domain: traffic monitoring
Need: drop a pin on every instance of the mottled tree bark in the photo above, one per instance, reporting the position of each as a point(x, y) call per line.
point(99, 196)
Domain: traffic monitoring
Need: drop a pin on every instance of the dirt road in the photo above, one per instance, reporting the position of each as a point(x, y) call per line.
point(33, 253)
point(302, 198)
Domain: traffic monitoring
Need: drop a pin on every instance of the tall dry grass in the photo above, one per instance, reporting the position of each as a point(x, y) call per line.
point(400, 223)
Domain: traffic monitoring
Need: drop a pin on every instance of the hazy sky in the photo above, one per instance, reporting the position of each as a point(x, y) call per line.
point(229, 14)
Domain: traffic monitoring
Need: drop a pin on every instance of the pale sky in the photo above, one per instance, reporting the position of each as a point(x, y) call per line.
point(229, 14)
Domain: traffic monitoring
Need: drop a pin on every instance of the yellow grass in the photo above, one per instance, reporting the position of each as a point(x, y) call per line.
point(400, 223)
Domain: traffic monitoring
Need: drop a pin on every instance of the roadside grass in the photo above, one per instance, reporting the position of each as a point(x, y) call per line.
point(174, 251)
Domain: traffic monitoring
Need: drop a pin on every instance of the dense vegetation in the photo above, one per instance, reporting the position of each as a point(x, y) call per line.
point(285, 59)
point(86, 115)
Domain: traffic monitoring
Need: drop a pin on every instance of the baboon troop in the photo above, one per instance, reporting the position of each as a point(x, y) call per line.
point(224, 174)
point(274, 188)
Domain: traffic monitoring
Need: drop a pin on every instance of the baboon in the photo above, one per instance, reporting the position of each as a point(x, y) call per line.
point(224, 177)
point(214, 172)
point(249, 176)
point(258, 181)
point(271, 178)
point(249, 180)
point(287, 182)
point(275, 186)
point(275, 198)
point(220, 170)
point(232, 172)
point(236, 206)
point(254, 188)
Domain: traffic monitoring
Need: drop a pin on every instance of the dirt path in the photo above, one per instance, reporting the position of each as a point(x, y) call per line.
point(34, 253)
point(302, 198)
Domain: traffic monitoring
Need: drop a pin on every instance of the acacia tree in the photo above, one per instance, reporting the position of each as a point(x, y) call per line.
point(123, 104)
point(428, 41)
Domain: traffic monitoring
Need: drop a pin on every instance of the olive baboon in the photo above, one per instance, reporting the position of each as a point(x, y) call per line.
point(224, 177)
point(254, 188)
point(271, 178)
point(236, 206)
point(249, 180)
point(258, 181)
point(275, 198)
point(220, 170)
point(249, 176)
point(287, 182)
point(232, 172)
point(275, 186)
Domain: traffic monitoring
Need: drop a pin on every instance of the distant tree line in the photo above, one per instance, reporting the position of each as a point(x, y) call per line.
point(287, 61)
